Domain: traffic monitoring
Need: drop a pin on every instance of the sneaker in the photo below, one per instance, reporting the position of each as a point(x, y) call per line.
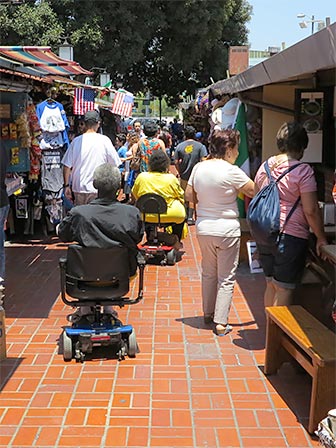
point(222, 331)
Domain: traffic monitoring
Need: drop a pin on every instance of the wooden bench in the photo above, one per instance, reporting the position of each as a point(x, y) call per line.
point(291, 329)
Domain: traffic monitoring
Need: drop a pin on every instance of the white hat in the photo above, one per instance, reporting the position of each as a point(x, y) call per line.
point(216, 116)
point(228, 113)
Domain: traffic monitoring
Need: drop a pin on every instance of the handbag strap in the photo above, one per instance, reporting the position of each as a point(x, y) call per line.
point(271, 179)
point(296, 203)
point(193, 190)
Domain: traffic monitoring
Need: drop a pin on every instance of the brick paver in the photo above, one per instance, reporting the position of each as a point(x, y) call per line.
point(186, 387)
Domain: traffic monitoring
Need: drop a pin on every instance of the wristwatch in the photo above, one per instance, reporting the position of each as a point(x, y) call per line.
point(66, 185)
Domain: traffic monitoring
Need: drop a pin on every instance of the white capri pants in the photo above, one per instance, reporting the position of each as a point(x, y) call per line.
point(220, 257)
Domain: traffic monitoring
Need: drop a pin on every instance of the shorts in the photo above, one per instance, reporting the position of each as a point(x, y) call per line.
point(84, 198)
point(184, 183)
point(285, 263)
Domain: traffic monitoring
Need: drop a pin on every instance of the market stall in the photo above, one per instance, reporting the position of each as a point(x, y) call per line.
point(36, 120)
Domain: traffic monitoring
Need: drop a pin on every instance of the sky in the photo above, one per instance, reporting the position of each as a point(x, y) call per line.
point(275, 21)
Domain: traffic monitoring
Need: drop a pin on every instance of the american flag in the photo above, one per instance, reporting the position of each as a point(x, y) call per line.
point(123, 103)
point(84, 100)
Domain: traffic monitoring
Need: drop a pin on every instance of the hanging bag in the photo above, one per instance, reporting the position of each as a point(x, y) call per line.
point(136, 160)
point(263, 214)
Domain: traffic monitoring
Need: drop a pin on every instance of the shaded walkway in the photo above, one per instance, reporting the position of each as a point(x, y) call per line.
point(186, 388)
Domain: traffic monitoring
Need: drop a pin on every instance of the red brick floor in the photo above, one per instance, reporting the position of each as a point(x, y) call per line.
point(186, 387)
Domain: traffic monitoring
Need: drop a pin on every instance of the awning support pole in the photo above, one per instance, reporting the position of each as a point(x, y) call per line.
point(264, 105)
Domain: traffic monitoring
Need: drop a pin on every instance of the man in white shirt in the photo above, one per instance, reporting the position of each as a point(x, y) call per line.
point(85, 153)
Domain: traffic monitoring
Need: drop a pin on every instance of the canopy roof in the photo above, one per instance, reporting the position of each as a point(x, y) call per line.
point(38, 61)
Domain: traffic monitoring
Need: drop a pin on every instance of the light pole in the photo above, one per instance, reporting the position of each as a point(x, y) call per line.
point(311, 20)
point(65, 50)
point(104, 77)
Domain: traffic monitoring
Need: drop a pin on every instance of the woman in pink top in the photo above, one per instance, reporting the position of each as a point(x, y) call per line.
point(283, 266)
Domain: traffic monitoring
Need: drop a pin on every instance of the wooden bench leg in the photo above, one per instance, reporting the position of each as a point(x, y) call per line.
point(273, 358)
point(323, 396)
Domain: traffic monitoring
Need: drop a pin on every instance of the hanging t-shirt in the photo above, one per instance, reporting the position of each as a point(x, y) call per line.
point(51, 140)
point(51, 169)
point(52, 118)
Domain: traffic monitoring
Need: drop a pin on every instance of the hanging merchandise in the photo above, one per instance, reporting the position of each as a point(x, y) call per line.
point(52, 118)
point(10, 131)
point(23, 130)
point(35, 151)
point(51, 170)
point(19, 162)
point(21, 207)
point(37, 209)
point(53, 144)
point(55, 210)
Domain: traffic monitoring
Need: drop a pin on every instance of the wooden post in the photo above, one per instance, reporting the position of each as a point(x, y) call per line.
point(323, 395)
point(273, 345)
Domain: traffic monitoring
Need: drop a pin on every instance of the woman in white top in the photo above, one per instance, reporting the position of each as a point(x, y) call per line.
point(214, 184)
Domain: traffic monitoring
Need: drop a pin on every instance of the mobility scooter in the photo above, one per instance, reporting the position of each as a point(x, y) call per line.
point(160, 247)
point(96, 279)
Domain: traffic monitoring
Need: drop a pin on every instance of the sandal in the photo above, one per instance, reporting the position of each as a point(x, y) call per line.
point(222, 330)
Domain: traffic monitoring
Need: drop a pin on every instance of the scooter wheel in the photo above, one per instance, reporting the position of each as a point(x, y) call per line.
point(171, 257)
point(67, 347)
point(132, 345)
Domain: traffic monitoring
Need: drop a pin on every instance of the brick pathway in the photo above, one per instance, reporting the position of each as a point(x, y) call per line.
point(186, 388)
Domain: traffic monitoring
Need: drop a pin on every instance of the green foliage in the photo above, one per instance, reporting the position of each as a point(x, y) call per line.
point(167, 46)
point(5, 21)
point(30, 24)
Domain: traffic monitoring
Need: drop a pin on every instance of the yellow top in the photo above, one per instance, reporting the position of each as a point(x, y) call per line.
point(167, 186)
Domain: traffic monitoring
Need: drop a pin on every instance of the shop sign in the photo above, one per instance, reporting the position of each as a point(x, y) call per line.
point(5, 110)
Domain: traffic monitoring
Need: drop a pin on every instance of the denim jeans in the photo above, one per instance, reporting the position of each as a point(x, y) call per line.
point(3, 215)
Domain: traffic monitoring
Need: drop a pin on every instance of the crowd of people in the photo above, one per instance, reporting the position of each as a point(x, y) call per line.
point(202, 191)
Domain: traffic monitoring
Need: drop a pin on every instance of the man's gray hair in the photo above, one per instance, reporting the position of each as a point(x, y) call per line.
point(107, 179)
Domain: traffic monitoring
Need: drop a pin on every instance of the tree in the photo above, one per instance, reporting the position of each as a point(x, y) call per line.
point(169, 47)
point(29, 24)
point(191, 46)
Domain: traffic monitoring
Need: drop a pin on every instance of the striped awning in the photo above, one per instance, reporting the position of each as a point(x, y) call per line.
point(41, 60)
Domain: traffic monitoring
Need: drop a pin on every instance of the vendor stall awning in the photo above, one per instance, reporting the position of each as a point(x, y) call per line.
point(316, 52)
point(40, 61)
